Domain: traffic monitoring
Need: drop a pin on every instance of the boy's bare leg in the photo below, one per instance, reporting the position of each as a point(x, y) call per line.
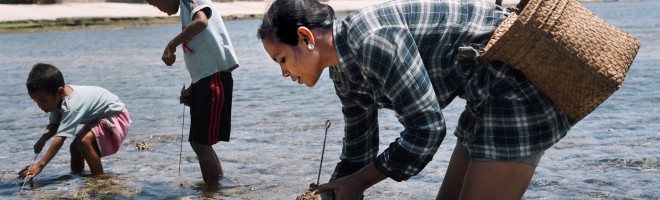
point(220, 173)
point(90, 152)
point(208, 162)
point(77, 159)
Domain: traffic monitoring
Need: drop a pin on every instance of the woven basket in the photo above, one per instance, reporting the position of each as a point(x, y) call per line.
point(577, 59)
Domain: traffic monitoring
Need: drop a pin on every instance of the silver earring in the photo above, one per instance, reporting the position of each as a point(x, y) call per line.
point(310, 46)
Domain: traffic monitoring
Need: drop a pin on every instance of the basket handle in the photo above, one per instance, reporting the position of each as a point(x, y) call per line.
point(521, 5)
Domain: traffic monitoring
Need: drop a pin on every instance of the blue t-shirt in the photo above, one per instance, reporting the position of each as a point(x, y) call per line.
point(211, 50)
point(86, 105)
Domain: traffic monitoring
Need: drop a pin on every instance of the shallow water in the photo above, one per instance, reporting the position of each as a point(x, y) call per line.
point(278, 125)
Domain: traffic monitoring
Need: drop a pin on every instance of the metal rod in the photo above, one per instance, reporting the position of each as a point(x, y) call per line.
point(327, 126)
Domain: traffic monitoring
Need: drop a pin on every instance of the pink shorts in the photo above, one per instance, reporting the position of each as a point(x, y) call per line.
point(110, 132)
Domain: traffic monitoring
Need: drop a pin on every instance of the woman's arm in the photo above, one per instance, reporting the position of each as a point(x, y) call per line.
point(392, 62)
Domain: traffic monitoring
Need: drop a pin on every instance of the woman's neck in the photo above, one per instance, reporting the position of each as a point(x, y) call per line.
point(328, 49)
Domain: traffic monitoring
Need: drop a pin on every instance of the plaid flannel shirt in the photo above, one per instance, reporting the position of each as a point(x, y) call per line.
point(399, 55)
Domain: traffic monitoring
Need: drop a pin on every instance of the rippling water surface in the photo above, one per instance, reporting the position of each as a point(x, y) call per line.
point(278, 125)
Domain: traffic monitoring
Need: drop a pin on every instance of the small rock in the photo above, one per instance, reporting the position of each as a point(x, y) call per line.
point(141, 146)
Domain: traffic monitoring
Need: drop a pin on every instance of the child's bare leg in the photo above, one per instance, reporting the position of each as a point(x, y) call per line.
point(77, 160)
point(208, 162)
point(90, 152)
point(220, 173)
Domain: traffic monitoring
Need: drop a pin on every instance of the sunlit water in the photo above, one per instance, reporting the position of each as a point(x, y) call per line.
point(278, 125)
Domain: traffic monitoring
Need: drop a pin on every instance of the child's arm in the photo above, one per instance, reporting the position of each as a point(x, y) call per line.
point(50, 131)
point(197, 25)
point(35, 169)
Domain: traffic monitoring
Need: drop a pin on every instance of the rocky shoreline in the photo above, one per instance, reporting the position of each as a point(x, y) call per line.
point(78, 23)
point(134, 15)
point(65, 24)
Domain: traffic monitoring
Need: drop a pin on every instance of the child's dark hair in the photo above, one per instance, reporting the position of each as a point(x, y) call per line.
point(44, 77)
point(284, 17)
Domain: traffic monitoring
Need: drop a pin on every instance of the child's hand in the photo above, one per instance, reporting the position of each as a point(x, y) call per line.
point(185, 93)
point(39, 146)
point(168, 55)
point(30, 171)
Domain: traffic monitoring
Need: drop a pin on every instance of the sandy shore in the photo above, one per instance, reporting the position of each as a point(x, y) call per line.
point(11, 12)
point(16, 18)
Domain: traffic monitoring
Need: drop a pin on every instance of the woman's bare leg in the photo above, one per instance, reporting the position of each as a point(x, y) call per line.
point(453, 181)
point(496, 180)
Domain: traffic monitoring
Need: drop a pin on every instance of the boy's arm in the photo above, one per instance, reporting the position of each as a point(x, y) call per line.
point(35, 169)
point(196, 26)
point(50, 131)
point(52, 151)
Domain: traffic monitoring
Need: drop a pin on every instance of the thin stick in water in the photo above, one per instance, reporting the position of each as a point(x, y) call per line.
point(29, 168)
point(183, 120)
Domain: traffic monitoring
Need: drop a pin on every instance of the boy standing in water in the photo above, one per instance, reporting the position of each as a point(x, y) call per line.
point(105, 120)
point(210, 58)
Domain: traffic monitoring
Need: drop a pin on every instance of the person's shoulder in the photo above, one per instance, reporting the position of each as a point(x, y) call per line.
point(201, 3)
point(88, 88)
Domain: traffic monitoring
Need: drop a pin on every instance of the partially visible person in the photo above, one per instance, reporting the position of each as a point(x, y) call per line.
point(414, 57)
point(210, 58)
point(104, 116)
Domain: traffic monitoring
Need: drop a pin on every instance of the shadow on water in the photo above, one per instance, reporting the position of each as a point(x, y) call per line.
point(39, 188)
point(116, 186)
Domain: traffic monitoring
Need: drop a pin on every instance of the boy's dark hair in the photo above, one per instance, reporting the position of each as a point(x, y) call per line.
point(284, 17)
point(44, 77)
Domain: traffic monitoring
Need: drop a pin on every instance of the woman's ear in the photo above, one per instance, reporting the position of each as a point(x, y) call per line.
point(305, 36)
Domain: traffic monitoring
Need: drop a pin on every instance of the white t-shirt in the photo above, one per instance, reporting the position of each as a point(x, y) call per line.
point(211, 50)
point(86, 105)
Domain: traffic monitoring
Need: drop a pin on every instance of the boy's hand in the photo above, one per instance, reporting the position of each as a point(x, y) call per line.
point(185, 93)
point(39, 146)
point(168, 55)
point(30, 171)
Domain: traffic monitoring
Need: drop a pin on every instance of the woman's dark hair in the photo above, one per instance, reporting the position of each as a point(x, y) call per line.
point(44, 77)
point(284, 17)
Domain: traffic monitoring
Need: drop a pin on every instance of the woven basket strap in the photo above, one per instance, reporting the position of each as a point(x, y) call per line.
point(521, 5)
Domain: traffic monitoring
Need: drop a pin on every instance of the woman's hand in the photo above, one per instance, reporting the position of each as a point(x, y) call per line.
point(352, 186)
point(344, 188)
